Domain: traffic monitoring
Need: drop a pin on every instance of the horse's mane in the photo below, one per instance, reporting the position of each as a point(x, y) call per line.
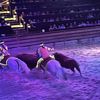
point(60, 56)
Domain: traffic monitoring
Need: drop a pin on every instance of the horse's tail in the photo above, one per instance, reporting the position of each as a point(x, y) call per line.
point(77, 67)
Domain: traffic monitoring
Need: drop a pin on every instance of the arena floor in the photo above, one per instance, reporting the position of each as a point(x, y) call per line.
point(35, 87)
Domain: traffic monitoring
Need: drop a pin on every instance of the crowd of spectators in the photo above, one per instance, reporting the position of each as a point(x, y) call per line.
point(51, 15)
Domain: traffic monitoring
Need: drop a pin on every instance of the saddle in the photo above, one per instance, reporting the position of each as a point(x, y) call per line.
point(5, 59)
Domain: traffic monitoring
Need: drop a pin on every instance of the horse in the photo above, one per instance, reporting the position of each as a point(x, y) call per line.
point(17, 65)
point(67, 62)
point(52, 66)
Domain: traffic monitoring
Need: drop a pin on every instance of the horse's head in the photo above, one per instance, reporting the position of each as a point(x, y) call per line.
point(67, 62)
point(61, 56)
point(56, 54)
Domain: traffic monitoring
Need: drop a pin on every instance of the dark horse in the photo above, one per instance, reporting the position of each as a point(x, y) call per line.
point(29, 59)
point(66, 62)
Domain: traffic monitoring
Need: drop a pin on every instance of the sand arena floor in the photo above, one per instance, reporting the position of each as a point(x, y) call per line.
point(36, 87)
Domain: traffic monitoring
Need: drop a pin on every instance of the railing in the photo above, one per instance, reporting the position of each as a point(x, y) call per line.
point(31, 40)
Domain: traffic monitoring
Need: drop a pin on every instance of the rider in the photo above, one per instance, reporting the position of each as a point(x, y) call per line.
point(3, 52)
point(43, 54)
point(1, 58)
point(4, 48)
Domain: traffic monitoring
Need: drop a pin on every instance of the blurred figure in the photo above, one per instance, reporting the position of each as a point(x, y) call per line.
point(1, 55)
point(4, 48)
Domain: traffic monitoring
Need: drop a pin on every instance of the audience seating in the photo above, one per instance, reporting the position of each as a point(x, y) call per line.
point(52, 15)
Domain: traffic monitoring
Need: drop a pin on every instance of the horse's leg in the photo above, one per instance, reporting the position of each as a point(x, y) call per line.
point(42, 67)
point(45, 72)
point(61, 73)
point(78, 69)
point(72, 69)
point(76, 65)
point(64, 73)
point(1, 68)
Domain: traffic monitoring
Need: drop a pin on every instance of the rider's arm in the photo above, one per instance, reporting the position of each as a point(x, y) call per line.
point(5, 47)
point(49, 49)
